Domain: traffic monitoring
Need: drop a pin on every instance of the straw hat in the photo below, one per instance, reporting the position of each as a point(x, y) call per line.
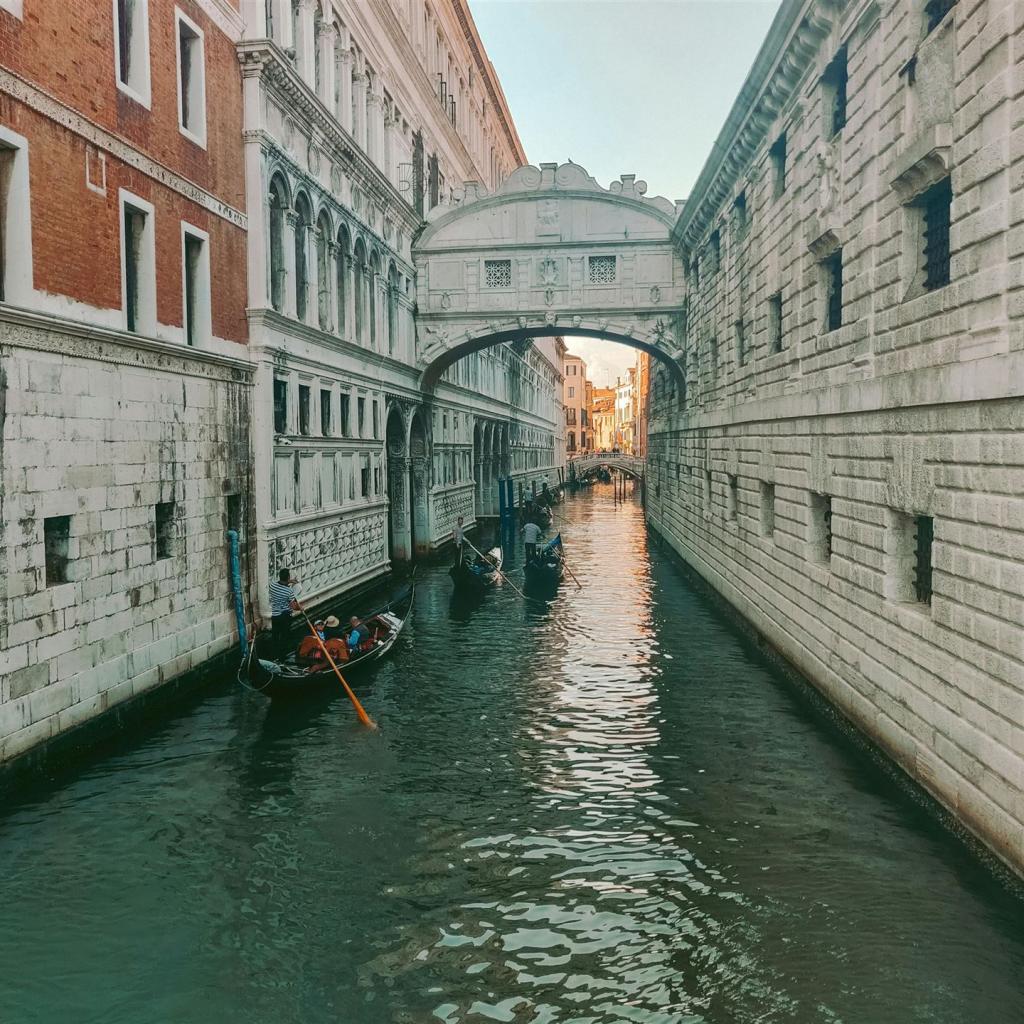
point(331, 622)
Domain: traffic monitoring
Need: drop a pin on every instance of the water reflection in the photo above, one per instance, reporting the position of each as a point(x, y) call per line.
point(601, 809)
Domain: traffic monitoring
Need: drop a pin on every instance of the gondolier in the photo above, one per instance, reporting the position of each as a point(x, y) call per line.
point(531, 534)
point(458, 535)
point(282, 604)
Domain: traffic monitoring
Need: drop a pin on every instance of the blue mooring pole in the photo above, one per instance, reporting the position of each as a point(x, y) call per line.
point(236, 589)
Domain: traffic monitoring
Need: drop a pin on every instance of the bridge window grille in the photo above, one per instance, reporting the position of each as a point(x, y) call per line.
point(935, 11)
point(924, 535)
point(833, 279)
point(767, 509)
point(56, 534)
point(601, 269)
point(732, 509)
point(935, 206)
point(497, 273)
point(740, 210)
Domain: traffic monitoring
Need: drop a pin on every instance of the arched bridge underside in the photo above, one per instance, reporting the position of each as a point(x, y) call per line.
point(551, 252)
point(629, 464)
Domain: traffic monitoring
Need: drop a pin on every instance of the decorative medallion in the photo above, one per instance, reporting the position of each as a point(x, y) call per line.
point(313, 156)
point(655, 295)
point(446, 300)
point(288, 134)
point(336, 182)
point(548, 272)
point(549, 296)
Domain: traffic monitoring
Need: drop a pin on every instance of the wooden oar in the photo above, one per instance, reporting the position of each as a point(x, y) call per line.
point(571, 573)
point(360, 710)
point(497, 570)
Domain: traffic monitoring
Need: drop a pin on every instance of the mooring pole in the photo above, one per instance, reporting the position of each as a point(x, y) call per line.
point(236, 589)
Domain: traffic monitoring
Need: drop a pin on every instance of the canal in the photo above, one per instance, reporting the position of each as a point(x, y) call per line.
point(609, 809)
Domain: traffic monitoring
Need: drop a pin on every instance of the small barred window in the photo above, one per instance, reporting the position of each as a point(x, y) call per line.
point(498, 273)
point(602, 269)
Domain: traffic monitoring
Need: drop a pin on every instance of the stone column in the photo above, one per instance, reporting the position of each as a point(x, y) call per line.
point(333, 258)
point(291, 224)
point(375, 123)
point(305, 43)
point(343, 70)
point(359, 88)
point(327, 70)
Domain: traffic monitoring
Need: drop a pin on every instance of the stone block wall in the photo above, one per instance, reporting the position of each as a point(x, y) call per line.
point(806, 459)
point(97, 430)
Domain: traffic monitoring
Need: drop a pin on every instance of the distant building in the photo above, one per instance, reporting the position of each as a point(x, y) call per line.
point(602, 418)
point(574, 399)
point(625, 411)
point(643, 385)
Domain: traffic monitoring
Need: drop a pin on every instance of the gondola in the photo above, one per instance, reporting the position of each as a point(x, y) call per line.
point(546, 570)
point(478, 575)
point(287, 678)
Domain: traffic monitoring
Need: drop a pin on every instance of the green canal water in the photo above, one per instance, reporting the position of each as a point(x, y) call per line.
point(609, 809)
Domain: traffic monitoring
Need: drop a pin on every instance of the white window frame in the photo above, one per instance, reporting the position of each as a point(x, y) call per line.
point(147, 267)
point(143, 94)
point(17, 233)
point(198, 67)
point(204, 303)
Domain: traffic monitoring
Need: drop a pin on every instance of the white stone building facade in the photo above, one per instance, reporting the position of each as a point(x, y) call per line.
point(361, 118)
point(845, 463)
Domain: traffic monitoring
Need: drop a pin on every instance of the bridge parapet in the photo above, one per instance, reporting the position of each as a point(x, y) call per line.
point(631, 464)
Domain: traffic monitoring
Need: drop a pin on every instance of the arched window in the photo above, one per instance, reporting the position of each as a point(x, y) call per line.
point(372, 284)
point(359, 289)
point(323, 271)
point(343, 284)
point(303, 222)
point(278, 206)
point(392, 308)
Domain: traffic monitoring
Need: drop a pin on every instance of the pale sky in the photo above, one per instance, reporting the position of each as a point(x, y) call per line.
point(622, 87)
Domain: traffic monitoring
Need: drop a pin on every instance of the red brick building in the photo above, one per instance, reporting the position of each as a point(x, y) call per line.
point(124, 374)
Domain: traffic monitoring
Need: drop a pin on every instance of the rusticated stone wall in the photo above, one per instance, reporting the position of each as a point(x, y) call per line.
point(807, 460)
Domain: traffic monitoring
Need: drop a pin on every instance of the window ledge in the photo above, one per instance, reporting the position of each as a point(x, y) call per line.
point(199, 140)
point(924, 162)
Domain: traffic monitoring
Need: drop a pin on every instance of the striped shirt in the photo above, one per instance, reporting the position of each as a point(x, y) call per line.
point(281, 598)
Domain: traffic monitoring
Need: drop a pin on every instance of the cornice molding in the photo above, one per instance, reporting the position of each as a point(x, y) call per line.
point(788, 53)
point(32, 330)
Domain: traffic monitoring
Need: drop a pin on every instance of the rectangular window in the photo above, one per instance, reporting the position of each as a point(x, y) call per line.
point(6, 172)
point(360, 417)
point(280, 406)
point(767, 509)
point(924, 536)
point(195, 285)
point(777, 157)
point(497, 273)
point(364, 478)
point(935, 12)
point(821, 527)
point(714, 251)
point(834, 85)
point(740, 213)
point(325, 412)
point(376, 419)
point(832, 279)
point(572, 391)
point(909, 541)
point(131, 42)
point(345, 422)
point(56, 533)
point(164, 529)
point(138, 265)
point(601, 269)
point(304, 410)
point(732, 509)
point(775, 322)
point(191, 80)
point(233, 515)
point(739, 336)
point(707, 491)
point(936, 205)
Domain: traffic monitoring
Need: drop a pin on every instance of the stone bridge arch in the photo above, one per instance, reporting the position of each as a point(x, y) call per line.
point(551, 252)
point(631, 465)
